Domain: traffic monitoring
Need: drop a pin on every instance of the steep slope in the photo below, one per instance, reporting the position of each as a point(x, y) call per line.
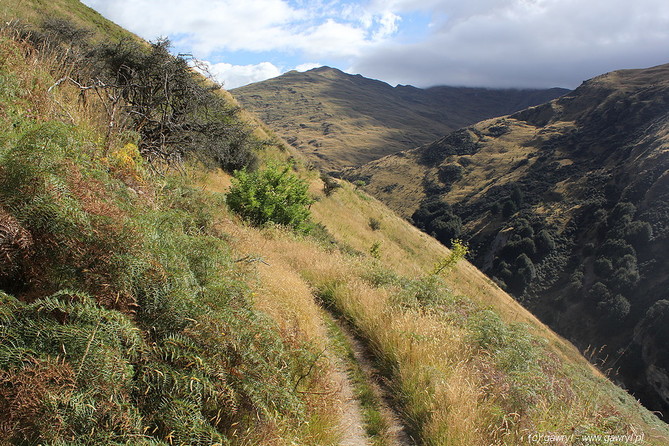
point(137, 309)
point(340, 120)
point(61, 14)
point(566, 206)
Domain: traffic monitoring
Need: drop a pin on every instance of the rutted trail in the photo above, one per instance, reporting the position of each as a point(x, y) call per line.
point(351, 424)
point(388, 428)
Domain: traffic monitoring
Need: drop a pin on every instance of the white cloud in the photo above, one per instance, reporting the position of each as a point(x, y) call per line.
point(308, 66)
point(504, 43)
point(388, 22)
point(233, 76)
point(514, 43)
point(253, 25)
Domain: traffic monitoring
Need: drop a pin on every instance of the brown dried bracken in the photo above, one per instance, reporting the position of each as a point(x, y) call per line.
point(15, 244)
point(24, 392)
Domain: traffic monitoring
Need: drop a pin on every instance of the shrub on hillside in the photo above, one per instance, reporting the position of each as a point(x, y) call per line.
point(509, 208)
point(450, 173)
point(603, 267)
point(271, 195)
point(517, 247)
point(615, 309)
point(622, 214)
point(624, 279)
point(436, 217)
point(638, 232)
point(544, 242)
point(330, 185)
point(598, 293)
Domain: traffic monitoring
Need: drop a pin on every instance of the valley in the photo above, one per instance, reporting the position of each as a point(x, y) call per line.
point(565, 206)
point(338, 120)
point(175, 272)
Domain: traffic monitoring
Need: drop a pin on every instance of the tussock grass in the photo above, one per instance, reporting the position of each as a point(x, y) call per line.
point(123, 296)
point(143, 298)
point(466, 364)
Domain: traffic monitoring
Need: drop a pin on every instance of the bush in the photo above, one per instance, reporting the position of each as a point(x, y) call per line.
point(271, 195)
point(615, 309)
point(603, 267)
point(459, 251)
point(616, 248)
point(509, 208)
point(176, 112)
point(375, 250)
point(450, 173)
point(374, 224)
point(544, 242)
point(330, 185)
point(598, 293)
point(446, 228)
point(515, 248)
point(625, 279)
point(622, 214)
point(525, 271)
point(638, 232)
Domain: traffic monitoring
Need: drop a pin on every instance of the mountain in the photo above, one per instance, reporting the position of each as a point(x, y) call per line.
point(340, 120)
point(566, 206)
point(172, 275)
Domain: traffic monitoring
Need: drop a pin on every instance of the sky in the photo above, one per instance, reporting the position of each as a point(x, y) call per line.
point(477, 43)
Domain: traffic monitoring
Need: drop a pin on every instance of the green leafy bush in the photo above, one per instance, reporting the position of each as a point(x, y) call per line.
point(271, 195)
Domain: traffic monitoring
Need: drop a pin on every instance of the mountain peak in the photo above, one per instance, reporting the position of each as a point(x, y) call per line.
point(340, 120)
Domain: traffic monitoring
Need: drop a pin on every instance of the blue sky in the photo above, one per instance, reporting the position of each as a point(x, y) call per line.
point(488, 43)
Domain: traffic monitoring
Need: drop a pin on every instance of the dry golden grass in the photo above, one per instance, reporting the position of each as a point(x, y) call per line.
point(450, 393)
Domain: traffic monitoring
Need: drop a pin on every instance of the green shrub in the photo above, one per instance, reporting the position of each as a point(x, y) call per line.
point(603, 267)
point(638, 232)
point(615, 309)
point(330, 185)
point(450, 173)
point(545, 241)
point(374, 224)
point(509, 208)
point(271, 195)
point(177, 112)
point(459, 251)
point(598, 293)
point(375, 250)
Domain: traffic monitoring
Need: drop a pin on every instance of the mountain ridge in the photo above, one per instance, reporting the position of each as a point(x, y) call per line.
point(575, 193)
point(341, 120)
point(139, 307)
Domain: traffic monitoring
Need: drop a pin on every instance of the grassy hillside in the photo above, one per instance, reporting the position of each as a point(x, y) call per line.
point(338, 120)
point(565, 205)
point(137, 309)
point(38, 12)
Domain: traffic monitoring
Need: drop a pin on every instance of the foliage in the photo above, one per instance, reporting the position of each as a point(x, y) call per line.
point(271, 195)
point(174, 110)
point(599, 293)
point(436, 217)
point(458, 252)
point(122, 314)
point(509, 208)
point(450, 173)
point(616, 308)
point(545, 242)
point(375, 250)
point(374, 224)
point(330, 185)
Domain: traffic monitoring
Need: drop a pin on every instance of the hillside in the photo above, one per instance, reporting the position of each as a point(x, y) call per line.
point(339, 120)
point(153, 293)
point(565, 205)
point(60, 15)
